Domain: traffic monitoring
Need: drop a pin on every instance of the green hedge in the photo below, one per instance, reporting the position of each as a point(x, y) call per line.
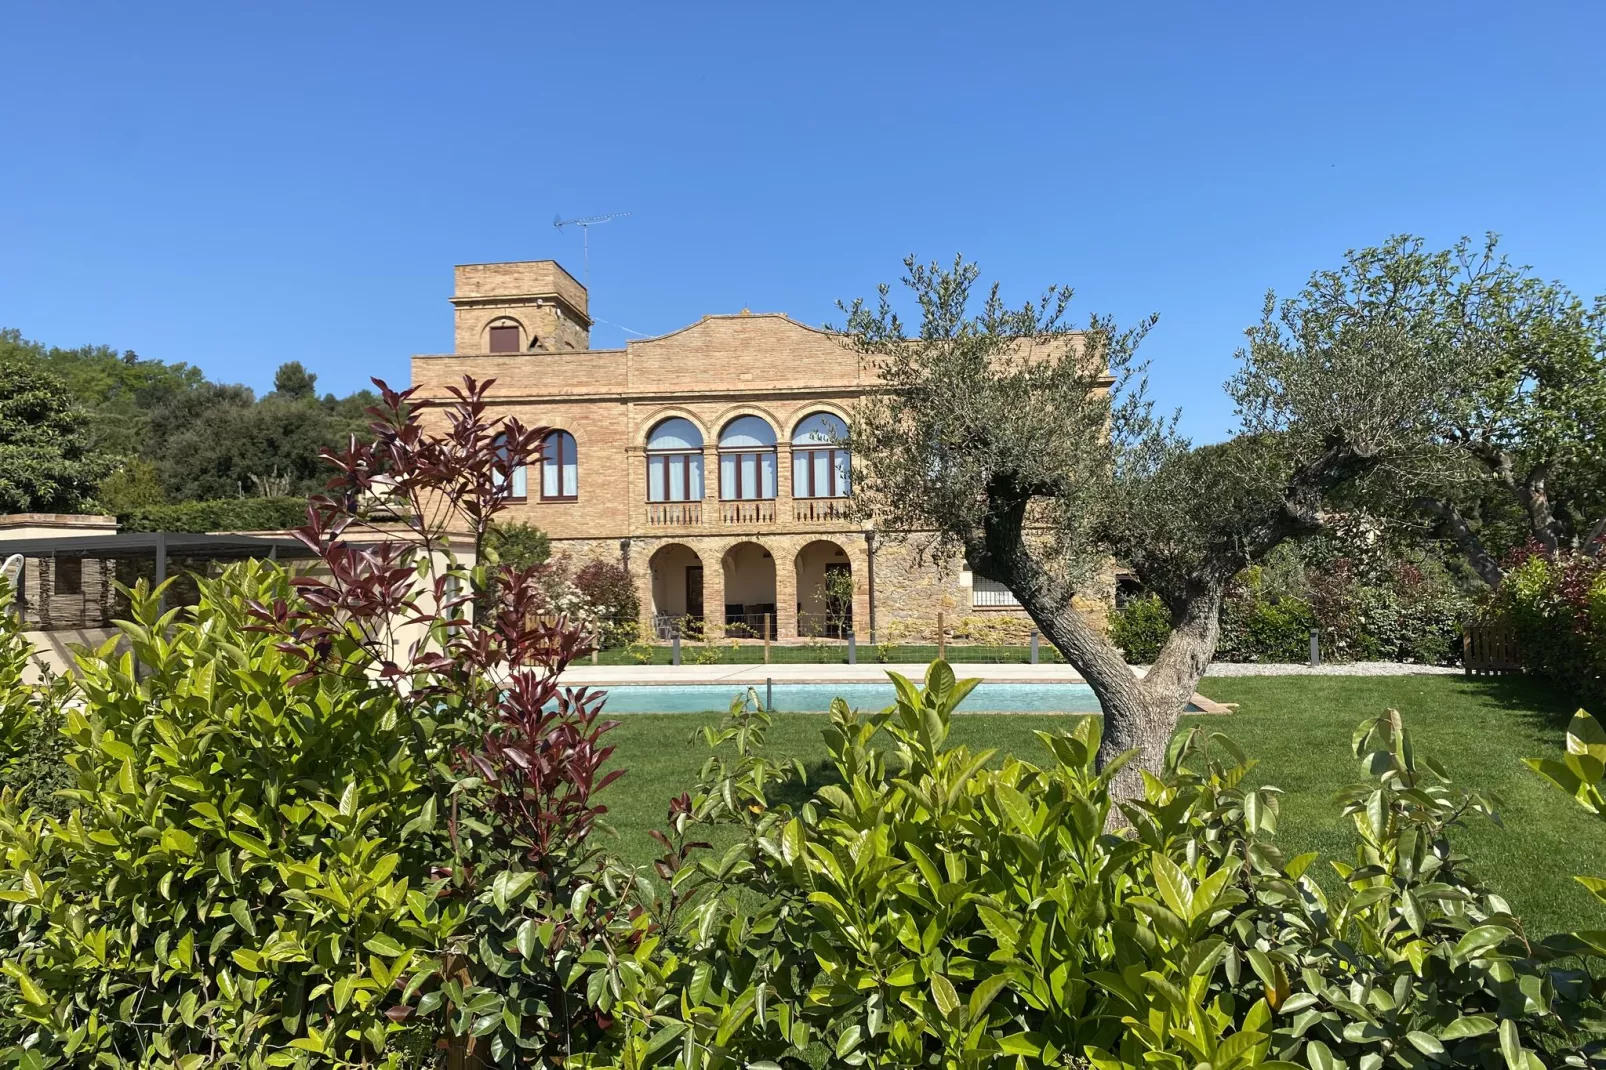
point(1556, 605)
point(1401, 610)
point(221, 514)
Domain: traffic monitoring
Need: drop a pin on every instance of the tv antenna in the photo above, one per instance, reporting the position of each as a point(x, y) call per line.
point(585, 224)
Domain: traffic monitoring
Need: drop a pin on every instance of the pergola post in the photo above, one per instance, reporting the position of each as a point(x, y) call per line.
point(161, 569)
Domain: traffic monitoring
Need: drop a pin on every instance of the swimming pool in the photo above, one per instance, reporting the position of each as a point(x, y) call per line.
point(816, 698)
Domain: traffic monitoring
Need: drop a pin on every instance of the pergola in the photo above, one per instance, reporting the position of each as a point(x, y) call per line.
point(160, 545)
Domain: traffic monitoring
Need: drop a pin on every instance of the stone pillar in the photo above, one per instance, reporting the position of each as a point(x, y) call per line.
point(713, 559)
point(860, 559)
point(783, 488)
point(785, 552)
point(641, 551)
point(710, 490)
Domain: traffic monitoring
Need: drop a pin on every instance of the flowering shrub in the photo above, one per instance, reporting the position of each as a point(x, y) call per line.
point(610, 594)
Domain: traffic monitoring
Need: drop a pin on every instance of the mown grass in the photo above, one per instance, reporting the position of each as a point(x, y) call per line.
point(1298, 729)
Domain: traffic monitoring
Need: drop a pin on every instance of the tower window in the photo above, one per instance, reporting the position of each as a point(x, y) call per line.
point(505, 338)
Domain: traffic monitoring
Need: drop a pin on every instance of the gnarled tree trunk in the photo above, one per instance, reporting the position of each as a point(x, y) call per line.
point(1140, 713)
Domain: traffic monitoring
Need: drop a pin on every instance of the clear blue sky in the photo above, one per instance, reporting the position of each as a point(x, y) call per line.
point(236, 185)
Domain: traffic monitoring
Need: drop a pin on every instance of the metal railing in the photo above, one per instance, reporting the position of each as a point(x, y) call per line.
point(825, 625)
point(674, 514)
point(987, 594)
point(815, 510)
point(748, 512)
point(669, 625)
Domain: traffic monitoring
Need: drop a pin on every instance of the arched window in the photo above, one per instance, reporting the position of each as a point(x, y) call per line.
point(503, 336)
point(520, 480)
point(747, 460)
point(675, 461)
point(560, 468)
point(820, 460)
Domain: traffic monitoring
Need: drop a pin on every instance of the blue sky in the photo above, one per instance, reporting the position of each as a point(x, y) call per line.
point(236, 185)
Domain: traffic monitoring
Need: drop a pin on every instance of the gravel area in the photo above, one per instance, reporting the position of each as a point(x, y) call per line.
point(1349, 668)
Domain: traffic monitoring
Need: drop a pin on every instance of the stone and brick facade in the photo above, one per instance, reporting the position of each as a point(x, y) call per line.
point(756, 558)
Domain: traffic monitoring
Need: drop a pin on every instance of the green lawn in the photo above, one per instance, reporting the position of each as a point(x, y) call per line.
point(1299, 730)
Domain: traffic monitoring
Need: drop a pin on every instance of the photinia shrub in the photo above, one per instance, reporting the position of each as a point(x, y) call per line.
point(537, 913)
point(1556, 606)
point(293, 801)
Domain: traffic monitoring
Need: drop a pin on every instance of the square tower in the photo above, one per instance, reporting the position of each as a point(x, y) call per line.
point(529, 306)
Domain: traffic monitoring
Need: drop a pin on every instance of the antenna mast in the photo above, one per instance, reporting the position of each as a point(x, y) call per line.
point(585, 224)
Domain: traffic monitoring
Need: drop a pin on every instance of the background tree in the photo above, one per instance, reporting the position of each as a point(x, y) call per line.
point(175, 436)
point(118, 391)
point(133, 484)
point(517, 545)
point(222, 442)
point(294, 381)
point(1032, 451)
point(1513, 369)
point(47, 463)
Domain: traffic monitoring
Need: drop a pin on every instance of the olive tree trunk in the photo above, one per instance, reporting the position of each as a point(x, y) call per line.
point(1140, 713)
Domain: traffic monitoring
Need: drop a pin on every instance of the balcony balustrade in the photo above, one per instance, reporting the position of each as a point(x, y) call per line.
point(750, 512)
point(816, 510)
point(674, 514)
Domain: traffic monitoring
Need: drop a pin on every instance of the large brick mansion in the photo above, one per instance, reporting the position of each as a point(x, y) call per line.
point(712, 461)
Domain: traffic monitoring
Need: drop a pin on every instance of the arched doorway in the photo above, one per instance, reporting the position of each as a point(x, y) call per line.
point(749, 591)
point(824, 590)
point(677, 590)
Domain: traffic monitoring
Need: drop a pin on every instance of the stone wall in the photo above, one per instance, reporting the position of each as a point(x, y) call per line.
point(709, 373)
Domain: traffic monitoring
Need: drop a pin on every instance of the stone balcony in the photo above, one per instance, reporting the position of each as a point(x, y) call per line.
point(711, 516)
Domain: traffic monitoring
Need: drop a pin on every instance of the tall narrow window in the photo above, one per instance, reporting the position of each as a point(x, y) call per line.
point(560, 469)
point(520, 479)
point(747, 460)
point(821, 466)
point(675, 461)
point(504, 338)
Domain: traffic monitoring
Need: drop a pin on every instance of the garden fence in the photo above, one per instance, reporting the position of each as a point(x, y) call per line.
point(1489, 649)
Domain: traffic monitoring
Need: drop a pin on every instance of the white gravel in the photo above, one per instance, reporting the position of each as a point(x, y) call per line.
point(1348, 668)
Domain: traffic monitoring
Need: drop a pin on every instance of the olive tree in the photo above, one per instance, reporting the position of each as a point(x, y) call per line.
point(1512, 369)
point(1031, 450)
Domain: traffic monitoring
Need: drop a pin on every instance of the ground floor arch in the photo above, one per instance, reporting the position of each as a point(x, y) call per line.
point(751, 605)
point(826, 587)
point(677, 590)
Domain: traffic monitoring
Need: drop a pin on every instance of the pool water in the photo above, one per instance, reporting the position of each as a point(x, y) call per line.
point(816, 698)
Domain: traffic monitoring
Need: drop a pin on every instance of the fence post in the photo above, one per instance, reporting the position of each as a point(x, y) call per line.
point(853, 647)
point(766, 638)
point(769, 695)
point(674, 648)
point(1034, 646)
point(1315, 648)
point(942, 638)
point(594, 653)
